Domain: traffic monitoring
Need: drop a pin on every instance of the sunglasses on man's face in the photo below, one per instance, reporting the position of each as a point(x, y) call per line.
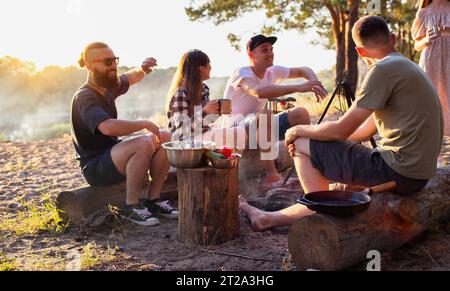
point(108, 61)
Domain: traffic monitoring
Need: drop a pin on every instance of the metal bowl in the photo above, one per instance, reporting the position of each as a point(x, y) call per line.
point(224, 163)
point(188, 154)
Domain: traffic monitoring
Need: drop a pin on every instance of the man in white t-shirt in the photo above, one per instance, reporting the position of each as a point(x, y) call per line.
point(251, 87)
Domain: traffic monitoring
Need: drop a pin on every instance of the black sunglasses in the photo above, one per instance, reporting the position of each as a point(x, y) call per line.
point(108, 61)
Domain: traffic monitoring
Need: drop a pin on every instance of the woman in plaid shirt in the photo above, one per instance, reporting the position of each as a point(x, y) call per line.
point(189, 110)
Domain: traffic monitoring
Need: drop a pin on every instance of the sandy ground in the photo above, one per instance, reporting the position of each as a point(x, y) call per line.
point(30, 170)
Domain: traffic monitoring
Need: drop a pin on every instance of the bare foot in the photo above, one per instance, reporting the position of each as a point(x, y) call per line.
point(257, 217)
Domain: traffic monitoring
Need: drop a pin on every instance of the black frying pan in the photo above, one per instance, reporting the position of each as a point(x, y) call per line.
point(342, 203)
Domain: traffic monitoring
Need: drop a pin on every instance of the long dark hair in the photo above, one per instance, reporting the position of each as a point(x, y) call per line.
point(188, 77)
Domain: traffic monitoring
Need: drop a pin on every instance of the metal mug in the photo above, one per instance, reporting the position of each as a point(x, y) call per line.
point(224, 106)
point(436, 30)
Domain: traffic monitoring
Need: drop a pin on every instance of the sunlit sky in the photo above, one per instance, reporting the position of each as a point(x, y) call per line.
point(54, 32)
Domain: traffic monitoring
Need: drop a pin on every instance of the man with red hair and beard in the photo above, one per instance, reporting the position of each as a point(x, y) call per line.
point(103, 158)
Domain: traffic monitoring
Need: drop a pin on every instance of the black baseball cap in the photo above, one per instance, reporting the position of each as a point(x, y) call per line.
point(259, 39)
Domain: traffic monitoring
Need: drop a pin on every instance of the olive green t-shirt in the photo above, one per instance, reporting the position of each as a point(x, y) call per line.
point(407, 113)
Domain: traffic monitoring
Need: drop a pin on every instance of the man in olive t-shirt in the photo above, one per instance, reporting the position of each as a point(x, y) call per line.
point(396, 100)
point(407, 114)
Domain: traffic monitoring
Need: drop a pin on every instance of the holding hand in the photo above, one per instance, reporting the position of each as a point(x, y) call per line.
point(212, 107)
point(291, 135)
point(148, 64)
point(314, 86)
point(320, 92)
point(432, 32)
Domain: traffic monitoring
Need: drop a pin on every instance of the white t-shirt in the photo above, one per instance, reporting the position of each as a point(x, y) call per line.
point(243, 102)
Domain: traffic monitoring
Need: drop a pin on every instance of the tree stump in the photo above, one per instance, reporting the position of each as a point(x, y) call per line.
point(325, 242)
point(208, 205)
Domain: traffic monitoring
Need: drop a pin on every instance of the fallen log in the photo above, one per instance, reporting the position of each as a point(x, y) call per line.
point(74, 205)
point(324, 242)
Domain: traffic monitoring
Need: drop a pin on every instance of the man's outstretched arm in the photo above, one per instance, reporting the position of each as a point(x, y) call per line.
point(275, 91)
point(302, 72)
point(137, 74)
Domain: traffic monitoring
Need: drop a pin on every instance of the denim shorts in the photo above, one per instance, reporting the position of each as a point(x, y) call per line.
point(101, 171)
point(283, 124)
point(281, 119)
point(353, 163)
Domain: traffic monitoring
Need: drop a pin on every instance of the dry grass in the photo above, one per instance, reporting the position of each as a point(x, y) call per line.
point(7, 264)
point(88, 257)
point(20, 165)
point(37, 217)
point(93, 255)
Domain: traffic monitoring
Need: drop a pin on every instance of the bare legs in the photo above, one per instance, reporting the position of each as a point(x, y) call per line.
point(132, 158)
point(262, 220)
point(296, 116)
point(159, 167)
point(311, 179)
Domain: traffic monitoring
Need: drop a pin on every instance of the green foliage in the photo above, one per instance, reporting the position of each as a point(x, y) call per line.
point(6, 264)
point(281, 14)
point(35, 218)
point(300, 15)
point(400, 17)
point(234, 41)
point(94, 255)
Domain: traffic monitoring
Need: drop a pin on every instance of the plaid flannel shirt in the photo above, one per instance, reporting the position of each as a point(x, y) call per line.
point(179, 111)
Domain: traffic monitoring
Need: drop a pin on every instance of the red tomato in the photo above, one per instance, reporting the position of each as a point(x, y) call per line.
point(226, 152)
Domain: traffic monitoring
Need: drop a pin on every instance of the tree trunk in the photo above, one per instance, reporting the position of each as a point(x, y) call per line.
point(339, 32)
point(340, 57)
point(351, 61)
point(338, 25)
point(208, 205)
point(325, 242)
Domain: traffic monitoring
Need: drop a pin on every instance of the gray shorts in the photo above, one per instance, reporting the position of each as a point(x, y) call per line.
point(101, 171)
point(353, 163)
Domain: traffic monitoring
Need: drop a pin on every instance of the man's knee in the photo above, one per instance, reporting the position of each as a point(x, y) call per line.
point(302, 146)
point(299, 115)
point(145, 144)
